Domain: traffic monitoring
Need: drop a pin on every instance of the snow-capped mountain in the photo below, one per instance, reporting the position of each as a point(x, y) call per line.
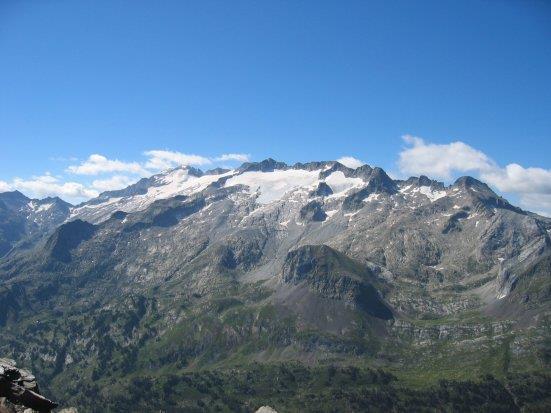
point(272, 262)
point(136, 197)
point(25, 220)
point(320, 202)
point(270, 182)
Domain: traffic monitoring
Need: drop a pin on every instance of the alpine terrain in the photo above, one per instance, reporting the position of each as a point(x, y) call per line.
point(306, 287)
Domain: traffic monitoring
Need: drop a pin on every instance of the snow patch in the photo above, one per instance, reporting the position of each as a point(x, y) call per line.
point(340, 184)
point(83, 208)
point(372, 197)
point(178, 182)
point(272, 186)
point(167, 185)
point(431, 194)
point(44, 207)
point(35, 207)
point(405, 189)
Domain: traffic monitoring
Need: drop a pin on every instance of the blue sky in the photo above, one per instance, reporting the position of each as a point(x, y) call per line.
point(292, 80)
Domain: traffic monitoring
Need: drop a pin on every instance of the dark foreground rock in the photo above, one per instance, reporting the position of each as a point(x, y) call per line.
point(19, 390)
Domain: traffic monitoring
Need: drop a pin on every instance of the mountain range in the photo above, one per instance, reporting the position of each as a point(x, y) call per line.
point(185, 290)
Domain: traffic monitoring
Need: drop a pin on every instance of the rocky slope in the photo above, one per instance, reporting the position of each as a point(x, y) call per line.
point(23, 221)
point(312, 262)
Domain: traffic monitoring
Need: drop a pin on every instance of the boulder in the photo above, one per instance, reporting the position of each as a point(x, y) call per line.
point(19, 390)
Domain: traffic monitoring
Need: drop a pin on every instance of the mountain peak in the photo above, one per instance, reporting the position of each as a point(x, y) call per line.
point(381, 181)
point(67, 237)
point(484, 195)
point(470, 182)
point(267, 165)
point(55, 200)
point(423, 180)
point(14, 196)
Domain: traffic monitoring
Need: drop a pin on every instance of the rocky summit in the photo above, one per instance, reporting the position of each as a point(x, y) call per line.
point(306, 287)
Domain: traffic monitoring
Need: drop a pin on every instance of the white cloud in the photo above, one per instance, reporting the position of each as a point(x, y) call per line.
point(162, 159)
point(350, 162)
point(98, 164)
point(158, 160)
point(240, 157)
point(538, 203)
point(48, 185)
point(441, 160)
point(515, 178)
point(531, 185)
point(119, 174)
point(113, 183)
point(4, 186)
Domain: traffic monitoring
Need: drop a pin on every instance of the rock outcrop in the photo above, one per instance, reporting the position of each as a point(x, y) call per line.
point(19, 391)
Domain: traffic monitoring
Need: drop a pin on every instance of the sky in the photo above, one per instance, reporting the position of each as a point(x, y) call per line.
point(96, 94)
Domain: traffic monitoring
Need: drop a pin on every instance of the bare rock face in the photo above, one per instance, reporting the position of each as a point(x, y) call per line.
point(67, 237)
point(19, 391)
point(313, 211)
point(334, 275)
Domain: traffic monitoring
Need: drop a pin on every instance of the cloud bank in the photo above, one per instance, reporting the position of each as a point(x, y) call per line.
point(158, 160)
point(444, 161)
point(112, 183)
point(98, 164)
point(49, 185)
point(440, 161)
